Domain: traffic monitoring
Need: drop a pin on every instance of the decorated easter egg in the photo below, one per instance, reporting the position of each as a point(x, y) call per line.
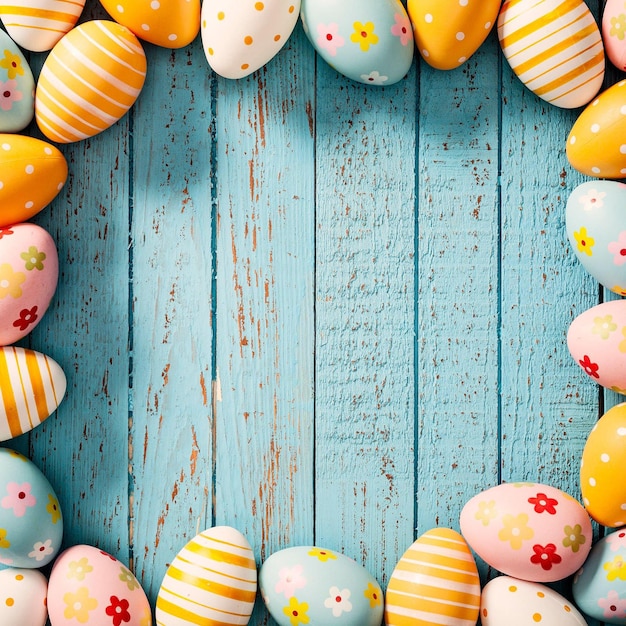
point(17, 87)
point(614, 32)
point(32, 386)
point(604, 458)
point(597, 341)
point(213, 576)
point(555, 49)
point(89, 81)
point(166, 23)
point(310, 585)
point(599, 588)
point(596, 228)
point(448, 32)
point(508, 601)
point(32, 172)
point(239, 36)
point(595, 145)
point(89, 586)
point(23, 597)
point(528, 530)
point(37, 25)
point(369, 41)
point(29, 270)
point(434, 582)
point(31, 524)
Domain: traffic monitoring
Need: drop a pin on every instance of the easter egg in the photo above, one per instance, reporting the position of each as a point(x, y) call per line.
point(37, 25)
point(311, 585)
point(89, 586)
point(596, 228)
point(17, 87)
point(29, 270)
point(448, 32)
point(614, 31)
point(599, 588)
point(596, 340)
point(31, 524)
point(212, 580)
point(528, 530)
point(555, 49)
point(604, 458)
point(32, 172)
point(166, 23)
point(434, 582)
point(32, 386)
point(23, 597)
point(508, 601)
point(239, 36)
point(89, 81)
point(596, 145)
point(369, 41)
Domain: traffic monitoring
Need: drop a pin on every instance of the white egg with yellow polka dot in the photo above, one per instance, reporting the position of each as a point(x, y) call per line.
point(507, 601)
point(23, 594)
point(239, 36)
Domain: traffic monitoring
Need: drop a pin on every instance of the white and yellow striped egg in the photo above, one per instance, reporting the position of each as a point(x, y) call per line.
point(32, 386)
point(37, 25)
point(89, 81)
point(555, 49)
point(212, 581)
point(435, 582)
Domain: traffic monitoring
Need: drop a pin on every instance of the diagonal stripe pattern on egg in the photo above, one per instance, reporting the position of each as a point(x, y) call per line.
point(89, 81)
point(435, 581)
point(240, 36)
point(211, 581)
point(555, 49)
point(37, 25)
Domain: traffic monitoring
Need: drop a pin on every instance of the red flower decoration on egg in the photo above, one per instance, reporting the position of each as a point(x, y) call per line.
point(590, 368)
point(543, 504)
point(118, 610)
point(26, 318)
point(5, 232)
point(546, 556)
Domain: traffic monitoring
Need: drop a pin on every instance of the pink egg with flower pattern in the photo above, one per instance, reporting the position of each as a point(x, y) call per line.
point(529, 531)
point(597, 341)
point(89, 586)
point(613, 31)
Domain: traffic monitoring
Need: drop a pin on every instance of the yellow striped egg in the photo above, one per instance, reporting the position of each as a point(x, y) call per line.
point(37, 25)
point(555, 49)
point(434, 582)
point(89, 81)
point(32, 386)
point(212, 581)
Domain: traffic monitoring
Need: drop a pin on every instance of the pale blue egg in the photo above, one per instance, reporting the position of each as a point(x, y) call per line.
point(31, 524)
point(17, 87)
point(310, 585)
point(370, 41)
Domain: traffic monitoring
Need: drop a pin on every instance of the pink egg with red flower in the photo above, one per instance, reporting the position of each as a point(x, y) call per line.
point(91, 587)
point(29, 271)
point(597, 341)
point(529, 531)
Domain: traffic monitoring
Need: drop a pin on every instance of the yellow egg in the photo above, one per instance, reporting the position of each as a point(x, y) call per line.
point(89, 81)
point(448, 32)
point(32, 172)
point(596, 145)
point(166, 23)
point(603, 462)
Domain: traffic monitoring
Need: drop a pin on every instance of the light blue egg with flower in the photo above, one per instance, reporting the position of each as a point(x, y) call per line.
point(17, 87)
point(369, 41)
point(31, 523)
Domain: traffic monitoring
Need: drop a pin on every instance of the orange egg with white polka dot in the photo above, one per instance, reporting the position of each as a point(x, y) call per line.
point(240, 36)
point(507, 601)
point(596, 145)
point(165, 23)
point(604, 459)
point(23, 597)
point(448, 32)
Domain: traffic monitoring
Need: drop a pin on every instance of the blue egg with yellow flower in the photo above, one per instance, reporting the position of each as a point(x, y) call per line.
point(17, 87)
point(31, 523)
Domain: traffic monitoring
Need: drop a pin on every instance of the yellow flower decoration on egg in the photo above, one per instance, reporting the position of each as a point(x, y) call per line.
point(616, 569)
point(364, 35)
point(604, 326)
point(574, 537)
point(12, 64)
point(618, 26)
point(53, 508)
point(622, 344)
point(296, 612)
point(373, 595)
point(78, 605)
point(516, 530)
point(4, 542)
point(584, 241)
point(10, 282)
point(322, 555)
point(79, 569)
point(486, 512)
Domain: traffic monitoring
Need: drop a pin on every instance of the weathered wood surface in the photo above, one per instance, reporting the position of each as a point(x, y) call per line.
point(314, 310)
